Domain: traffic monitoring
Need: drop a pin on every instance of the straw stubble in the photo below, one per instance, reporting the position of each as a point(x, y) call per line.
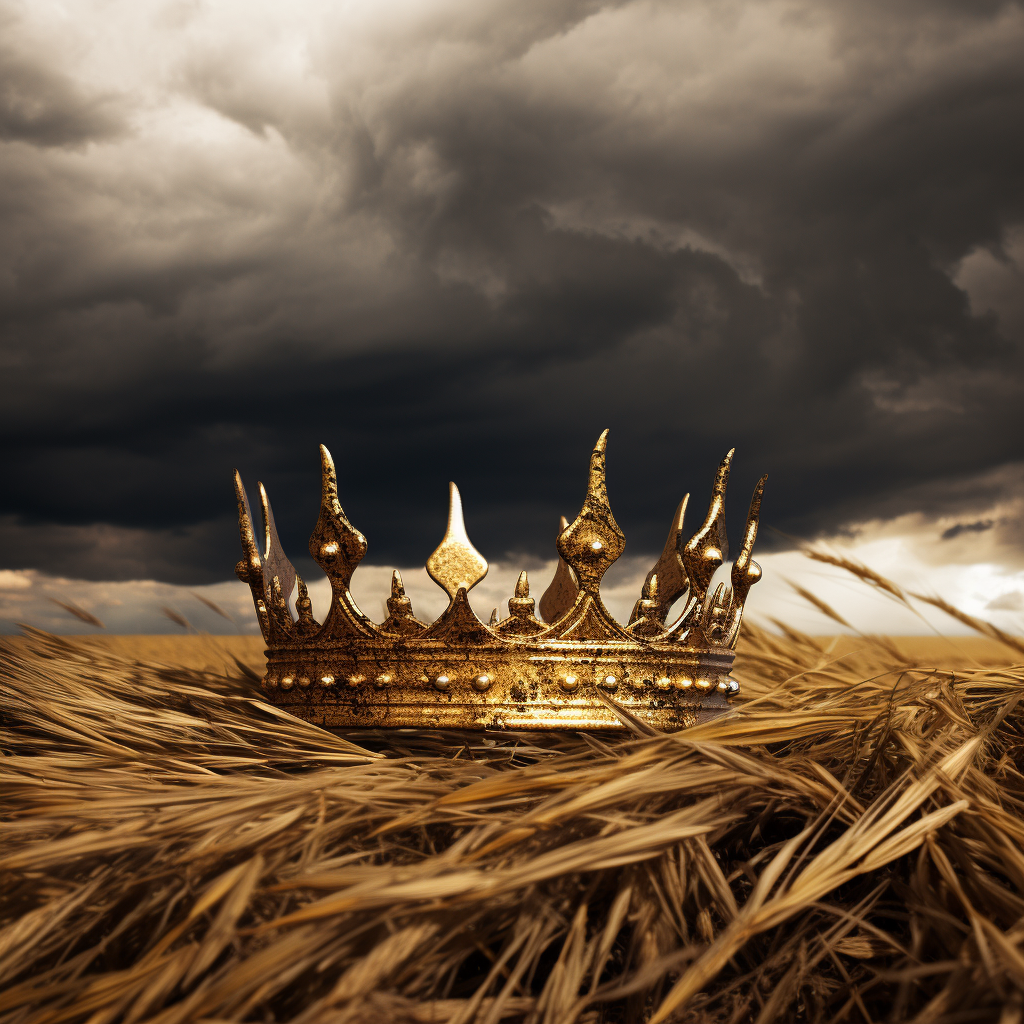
point(847, 844)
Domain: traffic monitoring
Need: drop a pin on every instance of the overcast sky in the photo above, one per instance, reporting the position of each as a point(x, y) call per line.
point(456, 240)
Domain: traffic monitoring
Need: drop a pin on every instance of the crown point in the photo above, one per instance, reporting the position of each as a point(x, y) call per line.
point(561, 593)
point(494, 617)
point(336, 545)
point(646, 620)
point(328, 478)
point(597, 485)
point(306, 625)
point(716, 615)
point(456, 518)
point(672, 579)
point(456, 563)
point(745, 571)
point(245, 525)
point(680, 516)
point(250, 569)
point(708, 548)
point(593, 540)
point(521, 621)
point(400, 615)
point(277, 567)
point(722, 476)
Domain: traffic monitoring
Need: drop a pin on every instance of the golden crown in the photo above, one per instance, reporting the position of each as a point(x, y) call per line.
point(573, 667)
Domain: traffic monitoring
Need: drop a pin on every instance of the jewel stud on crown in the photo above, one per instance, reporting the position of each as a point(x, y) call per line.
point(562, 670)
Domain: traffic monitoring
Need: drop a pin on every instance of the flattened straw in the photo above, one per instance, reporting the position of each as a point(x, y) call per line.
point(176, 849)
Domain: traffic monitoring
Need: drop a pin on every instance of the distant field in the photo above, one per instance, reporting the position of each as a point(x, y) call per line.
point(849, 839)
point(219, 652)
point(949, 651)
point(199, 652)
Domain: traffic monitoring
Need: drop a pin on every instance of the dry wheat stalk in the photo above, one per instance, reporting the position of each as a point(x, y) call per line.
point(846, 845)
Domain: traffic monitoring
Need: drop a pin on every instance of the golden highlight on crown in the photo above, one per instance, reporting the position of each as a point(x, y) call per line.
point(566, 664)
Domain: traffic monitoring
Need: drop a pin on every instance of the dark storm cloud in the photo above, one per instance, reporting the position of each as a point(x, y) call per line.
point(43, 107)
point(457, 244)
point(979, 527)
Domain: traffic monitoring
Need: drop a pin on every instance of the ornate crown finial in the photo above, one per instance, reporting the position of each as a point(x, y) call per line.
point(562, 590)
point(568, 668)
point(592, 541)
point(669, 567)
point(456, 565)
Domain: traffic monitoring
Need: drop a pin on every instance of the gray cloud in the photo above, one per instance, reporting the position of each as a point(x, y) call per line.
point(1011, 602)
point(958, 528)
point(457, 243)
point(42, 107)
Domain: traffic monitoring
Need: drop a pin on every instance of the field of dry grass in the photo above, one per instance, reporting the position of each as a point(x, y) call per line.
point(221, 653)
point(845, 845)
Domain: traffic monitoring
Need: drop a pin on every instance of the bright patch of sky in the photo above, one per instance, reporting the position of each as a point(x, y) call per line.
point(984, 589)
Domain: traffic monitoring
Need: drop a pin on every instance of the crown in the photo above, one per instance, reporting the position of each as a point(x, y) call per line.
point(570, 667)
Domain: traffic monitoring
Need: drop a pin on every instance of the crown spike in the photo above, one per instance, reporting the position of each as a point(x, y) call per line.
point(562, 590)
point(596, 483)
point(593, 541)
point(250, 568)
point(400, 615)
point(329, 483)
point(280, 613)
point(456, 563)
point(494, 617)
point(336, 545)
point(716, 615)
point(722, 476)
point(750, 532)
point(521, 620)
point(745, 571)
point(645, 621)
point(672, 579)
point(307, 625)
point(708, 548)
point(275, 561)
point(251, 565)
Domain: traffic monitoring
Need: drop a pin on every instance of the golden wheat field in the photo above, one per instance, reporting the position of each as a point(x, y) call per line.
point(845, 844)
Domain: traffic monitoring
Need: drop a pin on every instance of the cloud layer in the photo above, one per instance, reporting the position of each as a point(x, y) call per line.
point(455, 241)
point(969, 574)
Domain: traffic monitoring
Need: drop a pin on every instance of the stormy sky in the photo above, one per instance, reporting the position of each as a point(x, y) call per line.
point(456, 240)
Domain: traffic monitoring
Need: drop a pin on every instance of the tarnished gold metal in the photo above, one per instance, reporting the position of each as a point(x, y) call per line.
point(566, 669)
point(672, 579)
point(593, 540)
point(562, 590)
point(456, 563)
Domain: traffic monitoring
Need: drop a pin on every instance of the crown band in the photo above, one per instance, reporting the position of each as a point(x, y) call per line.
point(574, 667)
